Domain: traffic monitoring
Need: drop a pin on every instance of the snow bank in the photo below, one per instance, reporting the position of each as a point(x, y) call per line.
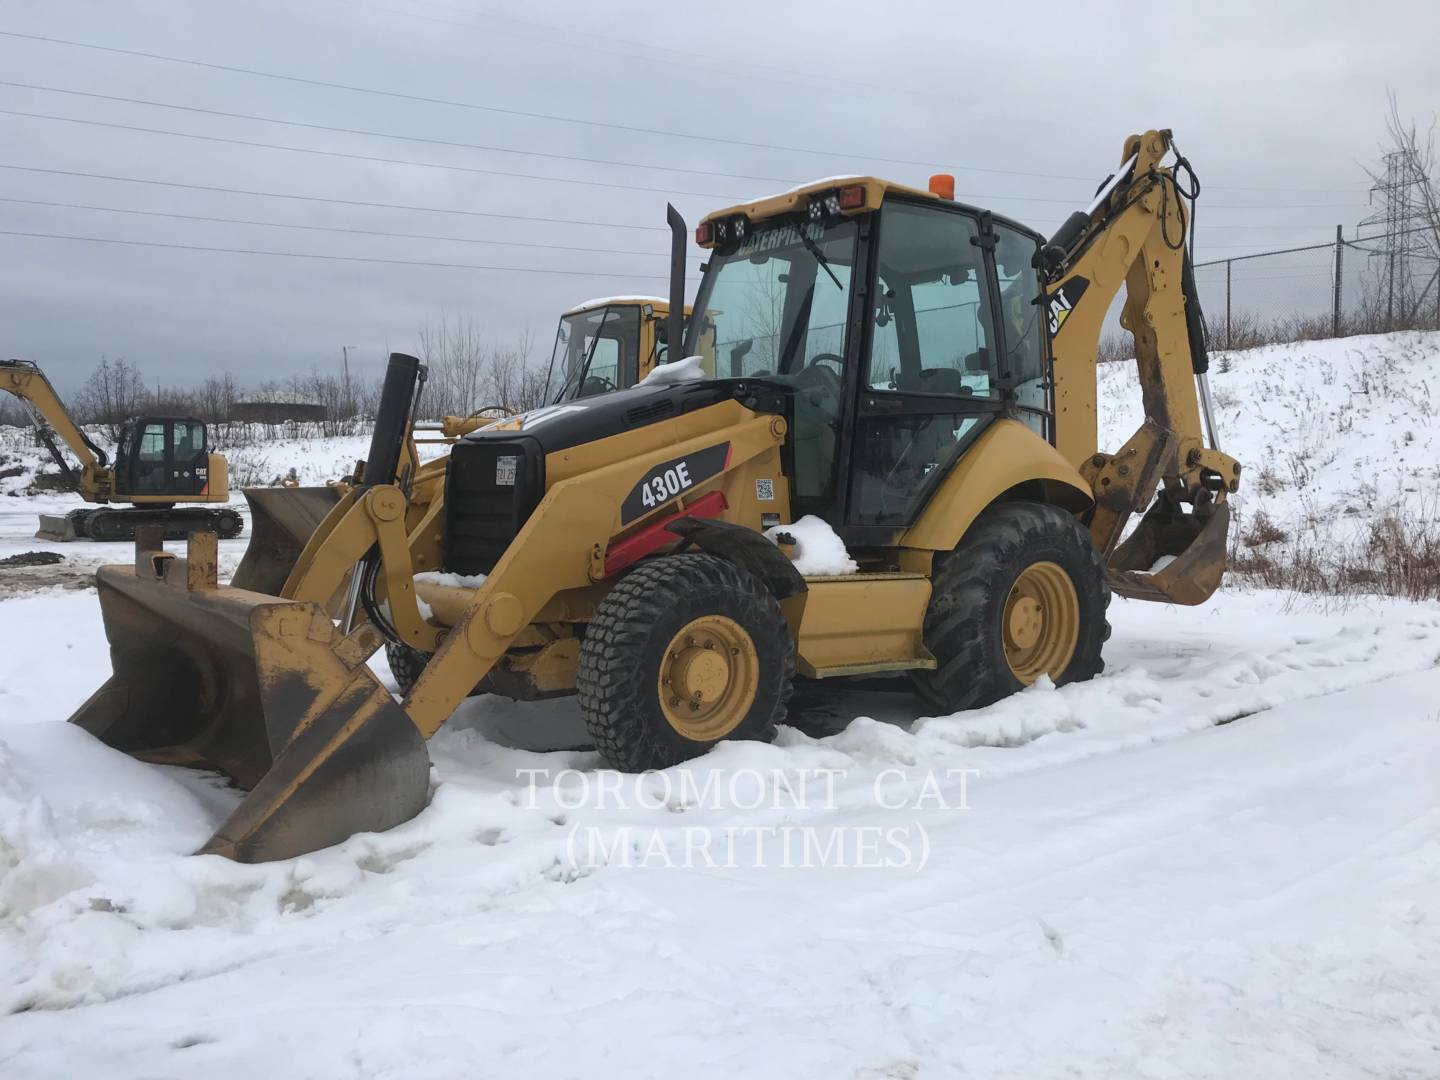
point(1332, 434)
point(690, 369)
point(818, 550)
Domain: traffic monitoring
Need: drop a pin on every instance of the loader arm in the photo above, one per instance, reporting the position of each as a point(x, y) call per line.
point(92, 479)
point(1134, 234)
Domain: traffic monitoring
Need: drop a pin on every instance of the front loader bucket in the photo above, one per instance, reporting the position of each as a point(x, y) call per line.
point(281, 522)
point(252, 686)
point(1191, 546)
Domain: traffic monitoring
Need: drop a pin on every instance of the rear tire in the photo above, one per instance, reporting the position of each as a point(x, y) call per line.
point(1023, 594)
point(685, 651)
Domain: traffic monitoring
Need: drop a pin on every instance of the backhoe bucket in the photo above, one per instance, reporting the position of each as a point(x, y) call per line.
point(253, 687)
point(282, 521)
point(1192, 548)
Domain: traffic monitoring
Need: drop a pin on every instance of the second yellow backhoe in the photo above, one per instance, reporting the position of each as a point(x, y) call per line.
point(918, 373)
point(607, 344)
point(600, 345)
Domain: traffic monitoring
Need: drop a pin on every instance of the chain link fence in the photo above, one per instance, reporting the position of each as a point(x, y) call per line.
point(1318, 291)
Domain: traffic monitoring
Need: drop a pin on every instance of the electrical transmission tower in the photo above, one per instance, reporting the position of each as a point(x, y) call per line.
point(1398, 213)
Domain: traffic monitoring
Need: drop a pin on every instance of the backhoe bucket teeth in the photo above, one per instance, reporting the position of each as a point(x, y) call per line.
point(251, 686)
point(282, 521)
point(1192, 546)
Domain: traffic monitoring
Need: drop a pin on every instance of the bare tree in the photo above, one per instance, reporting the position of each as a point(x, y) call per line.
point(515, 381)
point(458, 360)
point(114, 393)
point(215, 398)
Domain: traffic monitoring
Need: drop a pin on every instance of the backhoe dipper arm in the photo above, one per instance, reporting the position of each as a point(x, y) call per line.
point(1134, 233)
point(25, 380)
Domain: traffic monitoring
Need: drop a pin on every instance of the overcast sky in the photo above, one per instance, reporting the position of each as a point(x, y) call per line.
point(1278, 105)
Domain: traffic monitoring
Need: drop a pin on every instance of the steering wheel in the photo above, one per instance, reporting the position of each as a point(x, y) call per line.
point(828, 380)
point(587, 388)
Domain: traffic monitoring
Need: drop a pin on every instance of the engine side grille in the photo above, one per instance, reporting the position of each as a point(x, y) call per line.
point(491, 488)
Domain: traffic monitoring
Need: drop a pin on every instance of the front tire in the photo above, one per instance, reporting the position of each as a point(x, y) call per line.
point(685, 651)
point(1022, 595)
point(407, 664)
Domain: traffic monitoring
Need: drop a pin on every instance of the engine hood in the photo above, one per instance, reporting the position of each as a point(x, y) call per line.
point(573, 423)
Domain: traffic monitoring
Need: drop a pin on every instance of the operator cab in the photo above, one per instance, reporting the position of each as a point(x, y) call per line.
point(162, 457)
point(902, 324)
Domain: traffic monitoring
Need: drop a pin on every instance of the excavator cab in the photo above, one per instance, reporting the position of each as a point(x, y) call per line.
point(162, 457)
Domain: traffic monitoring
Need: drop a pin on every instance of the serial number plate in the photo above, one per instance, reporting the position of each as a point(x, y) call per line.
point(505, 470)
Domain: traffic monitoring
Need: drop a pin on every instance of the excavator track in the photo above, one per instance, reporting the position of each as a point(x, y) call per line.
point(112, 524)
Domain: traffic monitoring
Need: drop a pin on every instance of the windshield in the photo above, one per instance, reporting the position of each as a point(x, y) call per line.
point(776, 308)
point(595, 352)
point(772, 308)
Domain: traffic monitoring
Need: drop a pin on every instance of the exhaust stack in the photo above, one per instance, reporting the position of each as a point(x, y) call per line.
point(675, 323)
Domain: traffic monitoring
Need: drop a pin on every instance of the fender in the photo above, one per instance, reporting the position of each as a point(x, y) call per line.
point(1005, 457)
point(744, 547)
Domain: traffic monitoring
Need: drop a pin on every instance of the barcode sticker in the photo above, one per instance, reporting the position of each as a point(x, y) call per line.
point(505, 470)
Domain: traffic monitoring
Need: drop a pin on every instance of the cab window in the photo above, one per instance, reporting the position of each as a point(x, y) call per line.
point(1025, 364)
point(189, 440)
point(152, 443)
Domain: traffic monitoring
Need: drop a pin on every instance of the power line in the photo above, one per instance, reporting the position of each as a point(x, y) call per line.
point(558, 118)
point(389, 135)
point(478, 107)
point(360, 157)
point(332, 228)
point(667, 56)
point(320, 199)
point(968, 196)
point(331, 258)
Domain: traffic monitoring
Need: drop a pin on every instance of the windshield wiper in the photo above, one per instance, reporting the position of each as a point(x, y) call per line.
point(814, 249)
point(578, 375)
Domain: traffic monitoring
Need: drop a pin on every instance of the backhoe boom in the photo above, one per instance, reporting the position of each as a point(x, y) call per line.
point(1134, 234)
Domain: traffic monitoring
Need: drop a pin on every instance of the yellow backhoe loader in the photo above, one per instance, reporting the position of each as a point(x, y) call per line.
point(159, 461)
point(918, 373)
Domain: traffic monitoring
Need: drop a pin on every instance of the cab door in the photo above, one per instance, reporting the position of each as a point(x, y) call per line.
point(929, 382)
point(189, 460)
point(148, 470)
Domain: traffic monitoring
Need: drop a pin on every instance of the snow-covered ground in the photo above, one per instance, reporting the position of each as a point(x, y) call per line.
point(1332, 434)
point(1222, 858)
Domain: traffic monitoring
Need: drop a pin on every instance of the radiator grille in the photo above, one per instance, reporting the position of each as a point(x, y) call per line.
point(491, 488)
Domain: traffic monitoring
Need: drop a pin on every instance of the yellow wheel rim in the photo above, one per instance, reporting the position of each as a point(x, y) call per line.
point(707, 678)
point(1041, 623)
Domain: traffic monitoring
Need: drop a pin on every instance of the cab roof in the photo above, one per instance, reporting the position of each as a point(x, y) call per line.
point(797, 200)
point(659, 303)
